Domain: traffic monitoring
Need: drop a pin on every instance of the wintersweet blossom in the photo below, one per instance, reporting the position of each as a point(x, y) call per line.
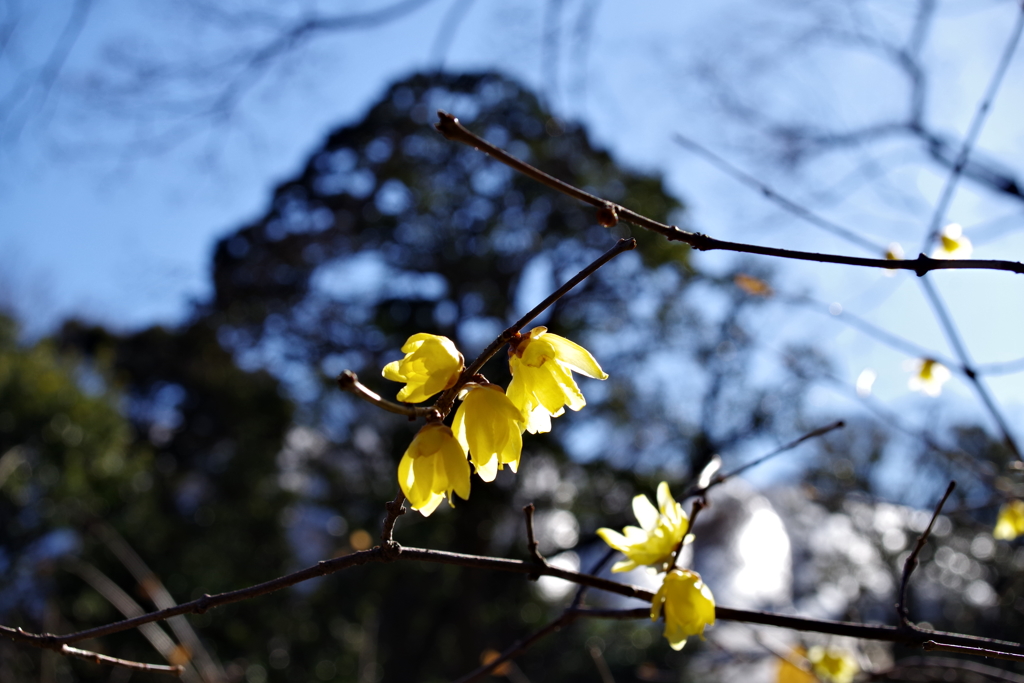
point(433, 467)
point(661, 531)
point(953, 244)
point(490, 427)
point(542, 385)
point(833, 665)
point(688, 604)
point(1010, 523)
point(431, 364)
point(929, 378)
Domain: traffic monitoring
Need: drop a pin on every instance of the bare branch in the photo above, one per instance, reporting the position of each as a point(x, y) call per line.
point(778, 199)
point(953, 335)
point(980, 115)
point(531, 538)
point(450, 127)
point(698, 490)
point(869, 632)
point(941, 664)
point(911, 562)
point(96, 657)
point(976, 651)
point(349, 381)
point(395, 509)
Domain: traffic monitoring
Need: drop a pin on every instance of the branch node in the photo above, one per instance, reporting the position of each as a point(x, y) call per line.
point(395, 509)
point(391, 550)
point(923, 264)
point(203, 604)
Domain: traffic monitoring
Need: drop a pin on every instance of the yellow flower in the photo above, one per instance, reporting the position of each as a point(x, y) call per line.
point(490, 428)
point(661, 531)
point(1010, 523)
point(688, 604)
point(953, 244)
point(431, 364)
point(931, 375)
point(542, 383)
point(833, 665)
point(790, 672)
point(433, 467)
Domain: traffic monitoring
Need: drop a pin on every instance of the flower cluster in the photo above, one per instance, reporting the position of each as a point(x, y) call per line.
point(489, 424)
point(684, 598)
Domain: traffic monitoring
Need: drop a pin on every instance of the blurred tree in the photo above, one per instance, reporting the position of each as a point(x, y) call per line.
point(390, 230)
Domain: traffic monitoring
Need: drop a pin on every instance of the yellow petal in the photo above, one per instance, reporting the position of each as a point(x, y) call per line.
point(687, 604)
point(575, 356)
point(661, 531)
point(1010, 523)
point(433, 466)
point(645, 512)
point(490, 427)
point(431, 365)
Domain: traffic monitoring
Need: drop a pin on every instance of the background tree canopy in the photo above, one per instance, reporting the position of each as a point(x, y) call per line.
point(223, 453)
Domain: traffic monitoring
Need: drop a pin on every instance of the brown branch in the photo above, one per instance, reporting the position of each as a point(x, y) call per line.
point(911, 563)
point(349, 381)
point(931, 645)
point(323, 568)
point(698, 504)
point(912, 635)
point(531, 539)
point(96, 657)
point(447, 399)
point(450, 127)
point(395, 509)
point(941, 664)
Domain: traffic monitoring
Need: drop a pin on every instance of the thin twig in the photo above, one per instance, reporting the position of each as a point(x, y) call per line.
point(953, 335)
point(349, 381)
point(886, 337)
point(447, 399)
point(698, 490)
point(450, 127)
point(911, 563)
point(531, 538)
point(581, 591)
point(978, 121)
point(773, 196)
point(698, 504)
point(931, 645)
point(942, 664)
point(567, 617)
point(519, 647)
point(96, 657)
point(395, 509)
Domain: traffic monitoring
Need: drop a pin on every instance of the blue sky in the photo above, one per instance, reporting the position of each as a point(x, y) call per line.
point(96, 223)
